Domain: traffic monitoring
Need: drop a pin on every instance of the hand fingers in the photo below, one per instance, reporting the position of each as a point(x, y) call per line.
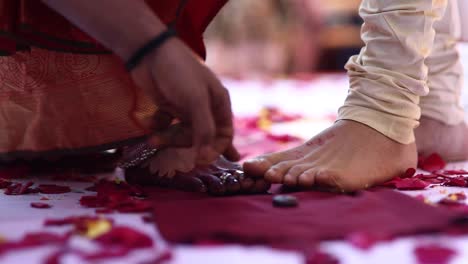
point(231, 153)
point(221, 107)
point(173, 136)
point(204, 131)
point(161, 120)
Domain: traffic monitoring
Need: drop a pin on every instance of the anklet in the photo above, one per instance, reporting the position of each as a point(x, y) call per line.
point(145, 154)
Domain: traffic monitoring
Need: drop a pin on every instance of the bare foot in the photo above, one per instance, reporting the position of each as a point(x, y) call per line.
point(451, 142)
point(174, 168)
point(348, 156)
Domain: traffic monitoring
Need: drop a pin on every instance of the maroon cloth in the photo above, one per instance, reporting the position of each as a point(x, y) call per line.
point(186, 217)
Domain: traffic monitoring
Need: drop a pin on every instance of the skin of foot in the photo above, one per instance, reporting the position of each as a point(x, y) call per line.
point(175, 168)
point(449, 141)
point(346, 157)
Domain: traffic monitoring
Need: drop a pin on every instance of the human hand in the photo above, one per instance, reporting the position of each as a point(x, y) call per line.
point(183, 88)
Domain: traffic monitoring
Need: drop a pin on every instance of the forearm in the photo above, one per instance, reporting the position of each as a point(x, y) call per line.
point(120, 25)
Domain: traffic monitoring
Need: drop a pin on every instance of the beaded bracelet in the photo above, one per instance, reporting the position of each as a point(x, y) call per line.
point(153, 44)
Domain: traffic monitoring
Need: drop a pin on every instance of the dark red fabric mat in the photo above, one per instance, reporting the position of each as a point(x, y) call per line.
point(189, 217)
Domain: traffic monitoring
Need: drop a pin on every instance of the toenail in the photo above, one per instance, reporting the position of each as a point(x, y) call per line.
point(256, 160)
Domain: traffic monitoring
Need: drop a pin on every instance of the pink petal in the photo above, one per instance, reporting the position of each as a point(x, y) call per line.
point(364, 240)
point(433, 254)
point(125, 237)
point(41, 205)
point(53, 189)
point(411, 184)
point(459, 181)
point(433, 162)
point(408, 173)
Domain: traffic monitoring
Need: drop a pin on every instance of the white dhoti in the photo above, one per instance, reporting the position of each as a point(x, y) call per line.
point(409, 62)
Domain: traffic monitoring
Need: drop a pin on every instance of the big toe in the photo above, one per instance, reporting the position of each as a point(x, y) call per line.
point(257, 167)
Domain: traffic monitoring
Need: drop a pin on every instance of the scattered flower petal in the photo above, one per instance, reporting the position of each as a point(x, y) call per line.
point(432, 162)
point(121, 236)
point(41, 205)
point(19, 188)
point(33, 240)
point(434, 254)
point(459, 181)
point(454, 172)
point(120, 197)
point(53, 189)
point(364, 240)
point(408, 173)
point(320, 257)
point(4, 183)
point(411, 184)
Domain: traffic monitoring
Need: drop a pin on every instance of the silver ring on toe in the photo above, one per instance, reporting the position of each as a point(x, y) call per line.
point(224, 177)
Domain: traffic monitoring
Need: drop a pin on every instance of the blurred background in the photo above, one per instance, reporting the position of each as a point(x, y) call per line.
point(275, 38)
point(283, 37)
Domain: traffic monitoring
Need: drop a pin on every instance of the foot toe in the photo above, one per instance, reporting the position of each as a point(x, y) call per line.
point(276, 173)
point(257, 167)
point(307, 178)
point(292, 176)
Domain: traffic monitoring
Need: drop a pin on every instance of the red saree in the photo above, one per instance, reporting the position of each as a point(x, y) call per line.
point(62, 92)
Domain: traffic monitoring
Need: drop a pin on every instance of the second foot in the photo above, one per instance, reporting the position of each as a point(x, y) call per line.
point(346, 157)
point(449, 141)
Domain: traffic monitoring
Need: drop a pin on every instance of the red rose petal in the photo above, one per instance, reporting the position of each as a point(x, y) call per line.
point(125, 237)
point(433, 254)
point(319, 257)
point(19, 188)
point(454, 172)
point(459, 181)
point(41, 205)
point(408, 173)
point(426, 176)
point(120, 197)
point(433, 162)
point(72, 220)
point(364, 240)
point(33, 240)
point(411, 184)
point(4, 183)
point(53, 189)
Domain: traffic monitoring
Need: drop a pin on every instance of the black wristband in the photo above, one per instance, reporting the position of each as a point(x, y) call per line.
point(153, 44)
